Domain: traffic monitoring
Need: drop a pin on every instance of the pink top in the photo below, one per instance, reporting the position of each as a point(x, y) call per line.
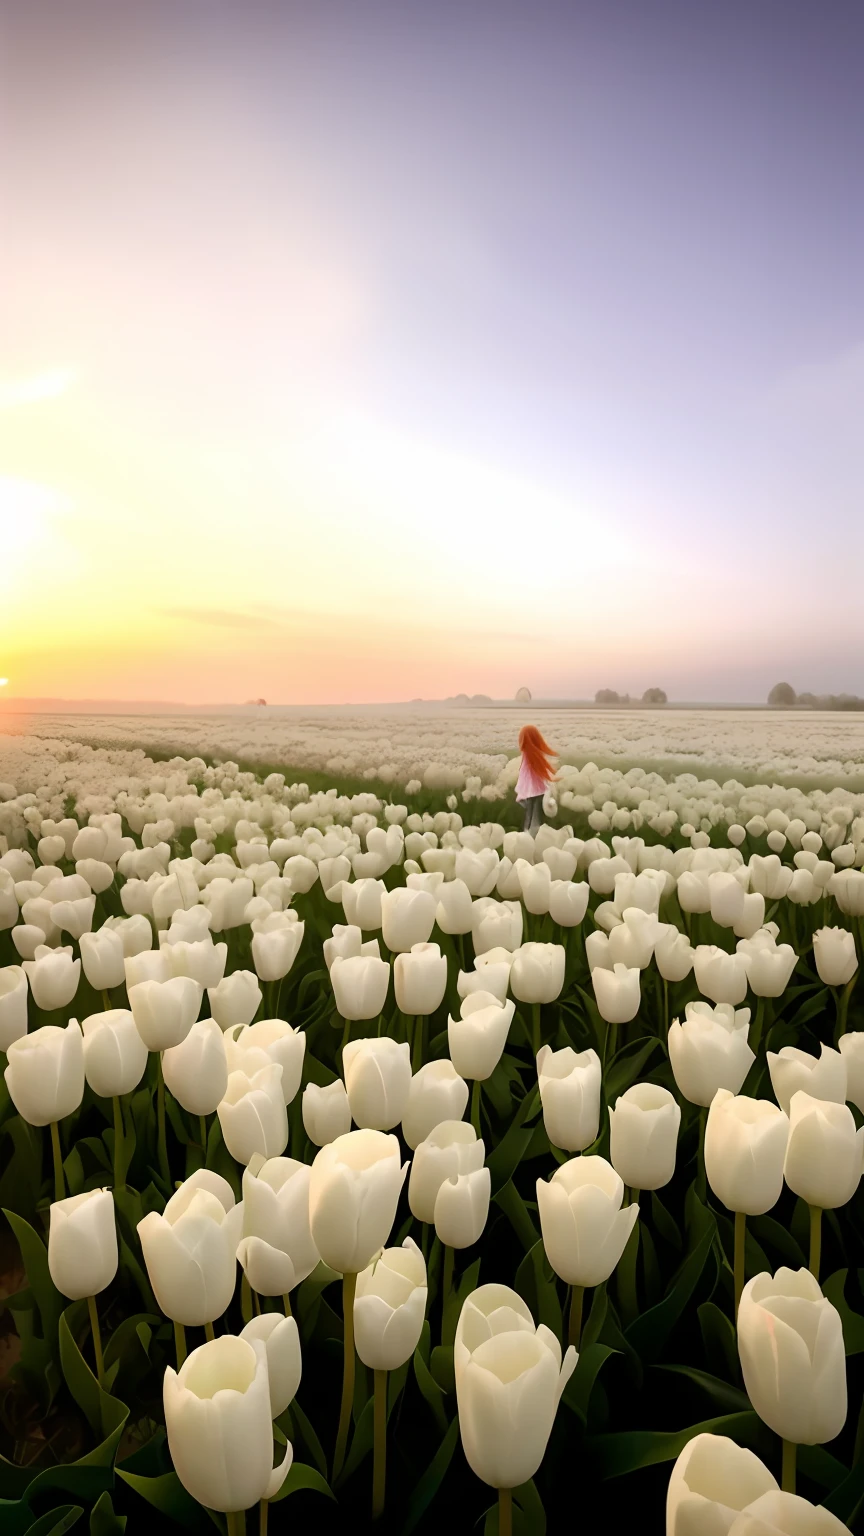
point(529, 783)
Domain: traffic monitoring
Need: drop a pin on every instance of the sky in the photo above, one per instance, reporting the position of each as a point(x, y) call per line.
point(354, 350)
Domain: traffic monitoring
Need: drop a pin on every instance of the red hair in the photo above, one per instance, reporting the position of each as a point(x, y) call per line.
point(536, 752)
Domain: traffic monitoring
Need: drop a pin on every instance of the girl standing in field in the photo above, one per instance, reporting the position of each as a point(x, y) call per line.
point(535, 775)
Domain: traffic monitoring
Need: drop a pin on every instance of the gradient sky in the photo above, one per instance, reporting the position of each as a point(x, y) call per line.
point(354, 350)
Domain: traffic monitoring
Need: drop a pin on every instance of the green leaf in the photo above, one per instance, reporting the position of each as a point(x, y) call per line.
point(167, 1495)
point(56, 1521)
point(665, 1226)
point(35, 1257)
point(721, 1394)
point(431, 1480)
point(650, 1331)
point(596, 1317)
point(853, 1324)
point(617, 1454)
point(506, 1157)
point(309, 1437)
point(103, 1521)
point(104, 1413)
point(516, 1211)
point(535, 1283)
point(628, 1066)
point(302, 1477)
point(429, 1387)
point(846, 1499)
point(441, 1366)
point(577, 1393)
point(719, 1338)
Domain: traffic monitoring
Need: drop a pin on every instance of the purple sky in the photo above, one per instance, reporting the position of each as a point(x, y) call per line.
point(612, 251)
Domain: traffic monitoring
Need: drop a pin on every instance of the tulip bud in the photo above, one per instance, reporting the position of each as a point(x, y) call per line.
point(769, 965)
point(74, 917)
point(45, 1073)
point(570, 1095)
point(227, 901)
point(454, 912)
point(115, 1056)
point(790, 1340)
point(102, 959)
point(851, 1049)
point(537, 972)
point(191, 1249)
point(252, 1114)
point(360, 986)
point(218, 1420)
point(407, 917)
point(200, 959)
point(345, 941)
point(326, 1112)
point(785, 1514)
point(478, 870)
point(279, 1250)
point(275, 946)
point(378, 1080)
point(720, 976)
point(362, 903)
point(644, 1135)
point(617, 992)
point(745, 1148)
point(477, 1038)
point(437, 1093)
point(834, 954)
point(711, 1480)
point(353, 1195)
point(13, 1005)
point(462, 1208)
point(450, 1150)
point(509, 1380)
point(82, 1244)
point(236, 999)
point(823, 1077)
point(674, 955)
point(568, 901)
point(53, 978)
point(164, 1011)
point(496, 925)
point(390, 1307)
point(281, 1340)
point(420, 979)
point(486, 978)
point(710, 1051)
point(196, 1071)
point(584, 1229)
point(147, 965)
point(825, 1153)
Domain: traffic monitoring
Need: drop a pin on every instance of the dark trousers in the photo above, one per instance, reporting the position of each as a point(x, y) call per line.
point(533, 813)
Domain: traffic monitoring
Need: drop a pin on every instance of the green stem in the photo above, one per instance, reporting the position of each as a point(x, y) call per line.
point(278, 996)
point(505, 1512)
point(536, 1033)
point(447, 1333)
point(755, 1039)
point(416, 1026)
point(379, 1451)
point(106, 1000)
point(236, 1522)
point(787, 1477)
point(161, 1131)
point(475, 1106)
point(815, 1240)
point(202, 1132)
point(265, 1510)
point(59, 1182)
point(119, 1184)
point(574, 1329)
point(286, 1302)
point(179, 1343)
point(611, 1043)
point(665, 1009)
point(424, 1241)
point(346, 1030)
point(701, 1180)
point(349, 1286)
point(738, 1266)
point(209, 1332)
point(97, 1338)
point(843, 1005)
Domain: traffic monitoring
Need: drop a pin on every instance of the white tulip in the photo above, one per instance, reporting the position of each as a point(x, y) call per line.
point(570, 1094)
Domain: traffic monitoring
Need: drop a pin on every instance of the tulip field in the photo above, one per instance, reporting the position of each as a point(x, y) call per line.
point(368, 1162)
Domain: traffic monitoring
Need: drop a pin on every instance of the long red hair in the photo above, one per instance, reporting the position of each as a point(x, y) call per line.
point(536, 752)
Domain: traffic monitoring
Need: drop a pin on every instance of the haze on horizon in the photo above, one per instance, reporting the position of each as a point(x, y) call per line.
point(382, 351)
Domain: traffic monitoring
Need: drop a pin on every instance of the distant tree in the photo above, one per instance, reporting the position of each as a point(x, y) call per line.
point(782, 696)
point(607, 696)
point(655, 696)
